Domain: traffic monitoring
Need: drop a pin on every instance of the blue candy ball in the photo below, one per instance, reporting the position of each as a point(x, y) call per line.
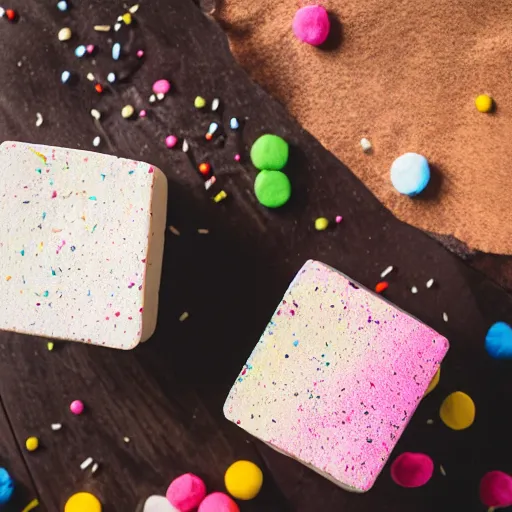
point(80, 51)
point(62, 5)
point(66, 75)
point(410, 174)
point(498, 341)
point(6, 486)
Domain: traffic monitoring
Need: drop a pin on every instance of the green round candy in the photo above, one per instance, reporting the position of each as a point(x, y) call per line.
point(269, 152)
point(272, 188)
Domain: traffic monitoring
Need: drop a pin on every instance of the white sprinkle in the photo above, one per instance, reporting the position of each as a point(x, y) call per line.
point(445, 317)
point(2, 12)
point(174, 231)
point(96, 141)
point(56, 426)
point(215, 104)
point(430, 282)
point(441, 469)
point(152, 98)
point(184, 147)
point(126, 439)
point(120, 18)
point(210, 182)
point(160, 96)
point(96, 114)
point(111, 77)
point(183, 316)
point(117, 26)
point(133, 9)
point(64, 34)
point(20, 63)
point(386, 271)
point(94, 468)
point(366, 145)
point(102, 28)
point(90, 77)
point(430, 422)
point(86, 463)
point(203, 231)
point(39, 119)
point(414, 289)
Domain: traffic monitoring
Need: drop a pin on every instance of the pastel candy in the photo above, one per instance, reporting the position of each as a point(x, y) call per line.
point(412, 469)
point(218, 502)
point(311, 24)
point(186, 492)
point(269, 152)
point(410, 174)
point(498, 341)
point(82, 247)
point(336, 376)
point(161, 87)
point(158, 504)
point(496, 489)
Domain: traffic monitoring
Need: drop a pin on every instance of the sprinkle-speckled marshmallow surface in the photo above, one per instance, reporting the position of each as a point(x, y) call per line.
point(335, 377)
point(81, 244)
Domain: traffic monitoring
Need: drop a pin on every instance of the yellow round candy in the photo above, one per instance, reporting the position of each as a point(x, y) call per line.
point(321, 223)
point(457, 411)
point(484, 103)
point(83, 502)
point(434, 382)
point(243, 480)
point(32, 444)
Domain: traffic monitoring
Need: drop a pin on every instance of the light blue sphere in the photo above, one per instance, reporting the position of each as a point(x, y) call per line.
point(410, 174)
point(6, 486)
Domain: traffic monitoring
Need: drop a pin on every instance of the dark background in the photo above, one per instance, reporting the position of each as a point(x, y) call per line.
point(167, 395)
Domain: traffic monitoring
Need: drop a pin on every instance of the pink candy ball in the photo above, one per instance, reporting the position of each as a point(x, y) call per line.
point(90, 48)
point(412, 469)
point(161, 87)
point(496, 489)
point(143, 113)
point(76, 407)
point(186, 492)
point(311, 24)
point(171, 141)
point(218, 502)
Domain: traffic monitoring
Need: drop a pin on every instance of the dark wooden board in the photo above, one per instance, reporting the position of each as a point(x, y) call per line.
point(167, 395)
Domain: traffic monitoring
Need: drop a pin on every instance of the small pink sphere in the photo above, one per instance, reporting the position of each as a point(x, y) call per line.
point(496, 489)
point(186, 492)
point(237, 157)
point(161, 87)
point(143, 113)
point(218, 502)
point(339, 218)
point(311, 24)
point(77, 407)
point(140, 54)
point(171, 141)
point(90, 48)
point(412, 469)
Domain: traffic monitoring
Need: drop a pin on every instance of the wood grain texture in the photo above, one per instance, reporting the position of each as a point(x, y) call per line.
point(167, 395)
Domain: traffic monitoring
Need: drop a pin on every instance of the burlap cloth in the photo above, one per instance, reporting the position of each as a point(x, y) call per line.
point(404, 74)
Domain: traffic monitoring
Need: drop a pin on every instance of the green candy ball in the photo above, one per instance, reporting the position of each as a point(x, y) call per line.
point(272, 188)
point(269, 152)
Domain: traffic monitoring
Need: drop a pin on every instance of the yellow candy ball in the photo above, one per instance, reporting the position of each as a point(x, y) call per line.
point(484, 103)
point(321, 223)
point(457, 411)
point(434, 382)
point(243, 480)
point(32, 444)
point(82, 502)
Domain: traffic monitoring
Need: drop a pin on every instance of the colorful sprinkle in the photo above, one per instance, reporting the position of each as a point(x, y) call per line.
point(220, 196)
point(62, 5)
point(366, 145)
point(484, 103)
point(77, 407)
point(386, 271)
point(204, 168)
point(111, 77)
point(215, 104)
point(457, 411)
point(80, 51)
point(183, 316)
point(65, 34)
point(382, 286)
point(32, 444)
point(50, 345)
point(429, 283)
point(321, 224)
point(116, 51)
point(65, 76)
point(171, 141)
point(31, 506)
point(127, 111)
point(338, 219)
point(199, 102)
point(234, 124)
point(412, 469)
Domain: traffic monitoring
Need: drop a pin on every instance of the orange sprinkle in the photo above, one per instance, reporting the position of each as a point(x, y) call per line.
point(99, 88)
point(8, 278)
point(208, 136)
point(380, 287)
point(204, 169)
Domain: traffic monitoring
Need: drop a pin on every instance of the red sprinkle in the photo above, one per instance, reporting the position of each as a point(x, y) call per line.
point(380, 287)
point(99, 88)
point(11, 14)
point(118, 313)
point(208, 136)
